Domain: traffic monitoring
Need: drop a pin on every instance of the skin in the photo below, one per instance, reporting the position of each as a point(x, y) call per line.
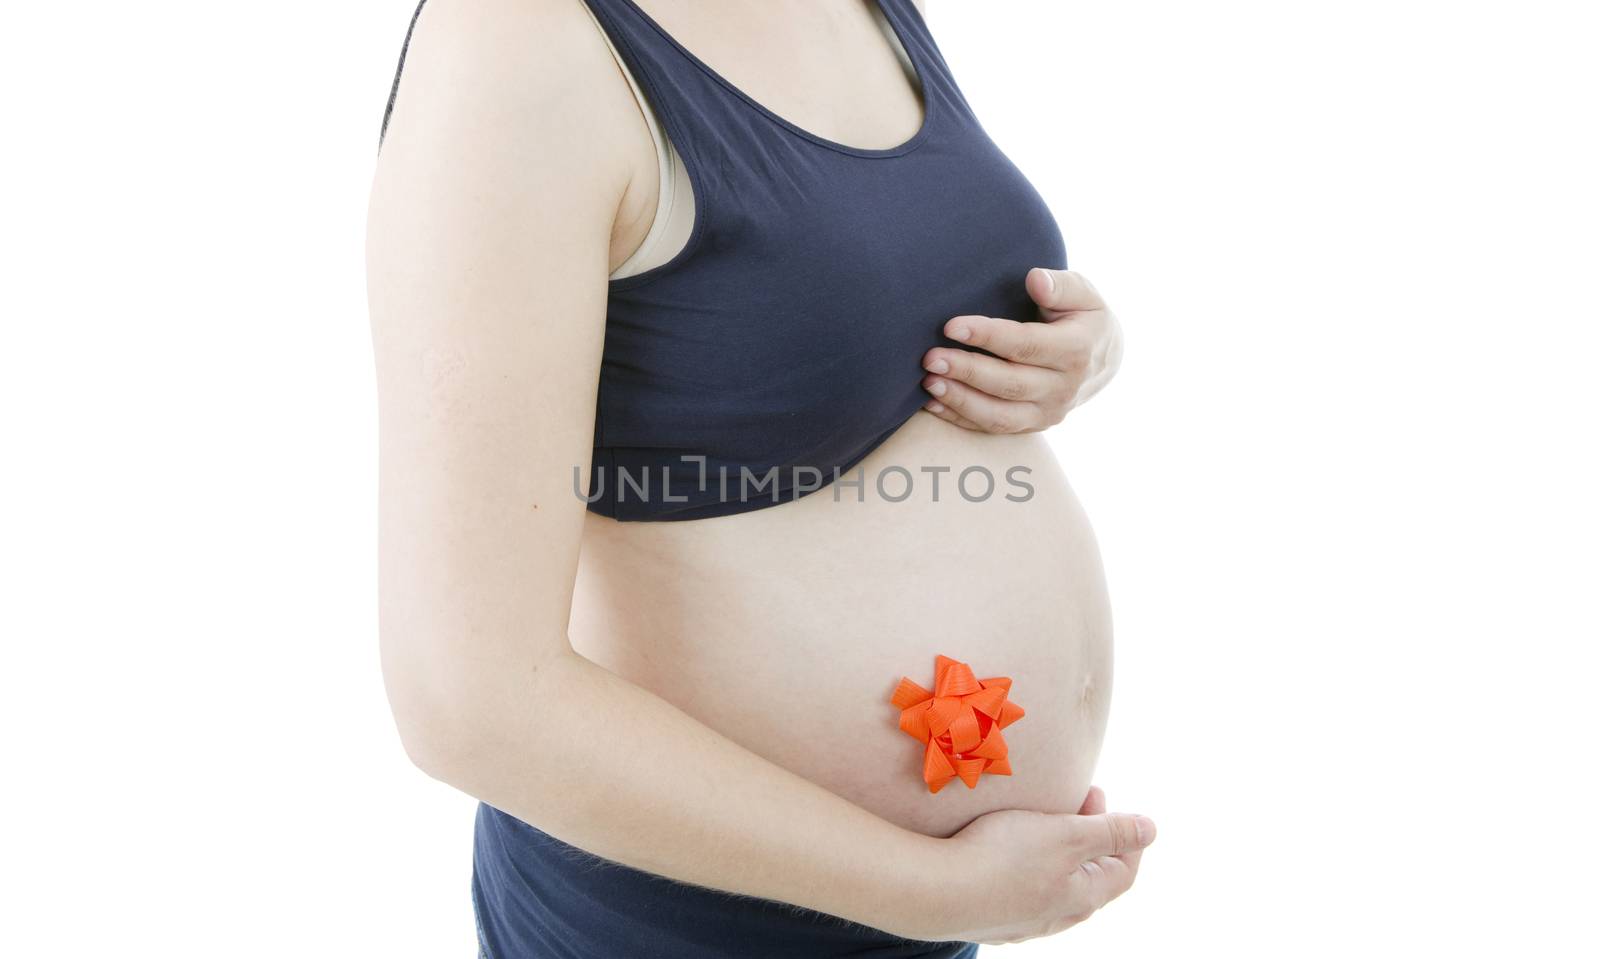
point(1040, 370)
point(514, 672)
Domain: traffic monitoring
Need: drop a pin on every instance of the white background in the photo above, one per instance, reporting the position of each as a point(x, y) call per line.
point(1345, 483)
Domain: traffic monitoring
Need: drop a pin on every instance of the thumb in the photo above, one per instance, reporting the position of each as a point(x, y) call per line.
point(1112, 834)
point(1062, 291)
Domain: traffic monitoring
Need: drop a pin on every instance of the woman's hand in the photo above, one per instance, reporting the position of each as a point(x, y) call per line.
point(1040, 370)
point(1026, 874)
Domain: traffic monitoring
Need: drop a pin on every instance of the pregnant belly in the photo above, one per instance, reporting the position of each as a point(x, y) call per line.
point(787, 628)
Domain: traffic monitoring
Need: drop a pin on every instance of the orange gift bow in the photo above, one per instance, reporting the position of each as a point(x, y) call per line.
point(959, 723)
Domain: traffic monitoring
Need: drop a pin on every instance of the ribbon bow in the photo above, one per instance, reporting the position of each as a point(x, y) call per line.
point(960, 723)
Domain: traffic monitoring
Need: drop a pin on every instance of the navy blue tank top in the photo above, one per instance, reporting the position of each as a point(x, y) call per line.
point(784, 342)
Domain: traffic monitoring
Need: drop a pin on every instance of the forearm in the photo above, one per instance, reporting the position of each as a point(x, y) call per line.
point(611, 768)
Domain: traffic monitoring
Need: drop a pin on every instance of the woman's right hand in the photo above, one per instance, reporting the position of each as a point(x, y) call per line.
point(1026, 874)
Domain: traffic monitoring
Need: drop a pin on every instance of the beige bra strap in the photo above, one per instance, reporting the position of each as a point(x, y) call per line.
point(673, 193)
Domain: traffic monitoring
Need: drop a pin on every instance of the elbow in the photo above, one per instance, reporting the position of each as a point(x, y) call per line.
point(442, 726)
point(429, 748)
point(449, 723)
point(437, 737)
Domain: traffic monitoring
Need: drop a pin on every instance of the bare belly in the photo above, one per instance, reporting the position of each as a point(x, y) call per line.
point(787, 628)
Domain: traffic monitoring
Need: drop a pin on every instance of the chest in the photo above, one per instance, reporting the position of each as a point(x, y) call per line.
point(853, 262)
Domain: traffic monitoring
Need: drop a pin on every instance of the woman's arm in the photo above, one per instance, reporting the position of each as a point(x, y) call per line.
point(490, 224)
point(488, 243)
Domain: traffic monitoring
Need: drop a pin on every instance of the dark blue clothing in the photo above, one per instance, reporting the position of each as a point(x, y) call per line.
point(537, 897)
point(785, 342)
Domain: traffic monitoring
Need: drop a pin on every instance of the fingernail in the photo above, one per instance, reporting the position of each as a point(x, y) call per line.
point(960, 333)
point(1145, 829)
point(938, 366)
point(936, 387)
point(1049, 280)
point(934, 407)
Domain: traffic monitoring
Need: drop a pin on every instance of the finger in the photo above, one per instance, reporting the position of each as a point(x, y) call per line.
point(1094, 803)
point(1111, 834)
point(992, 415)
point(1034, 344)
point(1062, 291)
point(999, 378)
point(1103, 879)
point(951, 416)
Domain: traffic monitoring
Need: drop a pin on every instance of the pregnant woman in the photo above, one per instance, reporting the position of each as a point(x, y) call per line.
point(713, 340)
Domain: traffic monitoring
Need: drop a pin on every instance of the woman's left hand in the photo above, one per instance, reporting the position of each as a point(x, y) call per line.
point(1039, 371)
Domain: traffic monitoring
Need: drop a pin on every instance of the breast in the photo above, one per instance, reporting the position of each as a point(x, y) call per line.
point(788, 336)
point(787, 628)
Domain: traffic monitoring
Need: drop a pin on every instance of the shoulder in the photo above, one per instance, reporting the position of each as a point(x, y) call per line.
point(532, 38)
point(520, 78)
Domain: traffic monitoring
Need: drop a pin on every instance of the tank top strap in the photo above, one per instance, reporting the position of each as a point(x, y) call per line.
point(701, 109)
point(913, 31)
point(685, 95)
